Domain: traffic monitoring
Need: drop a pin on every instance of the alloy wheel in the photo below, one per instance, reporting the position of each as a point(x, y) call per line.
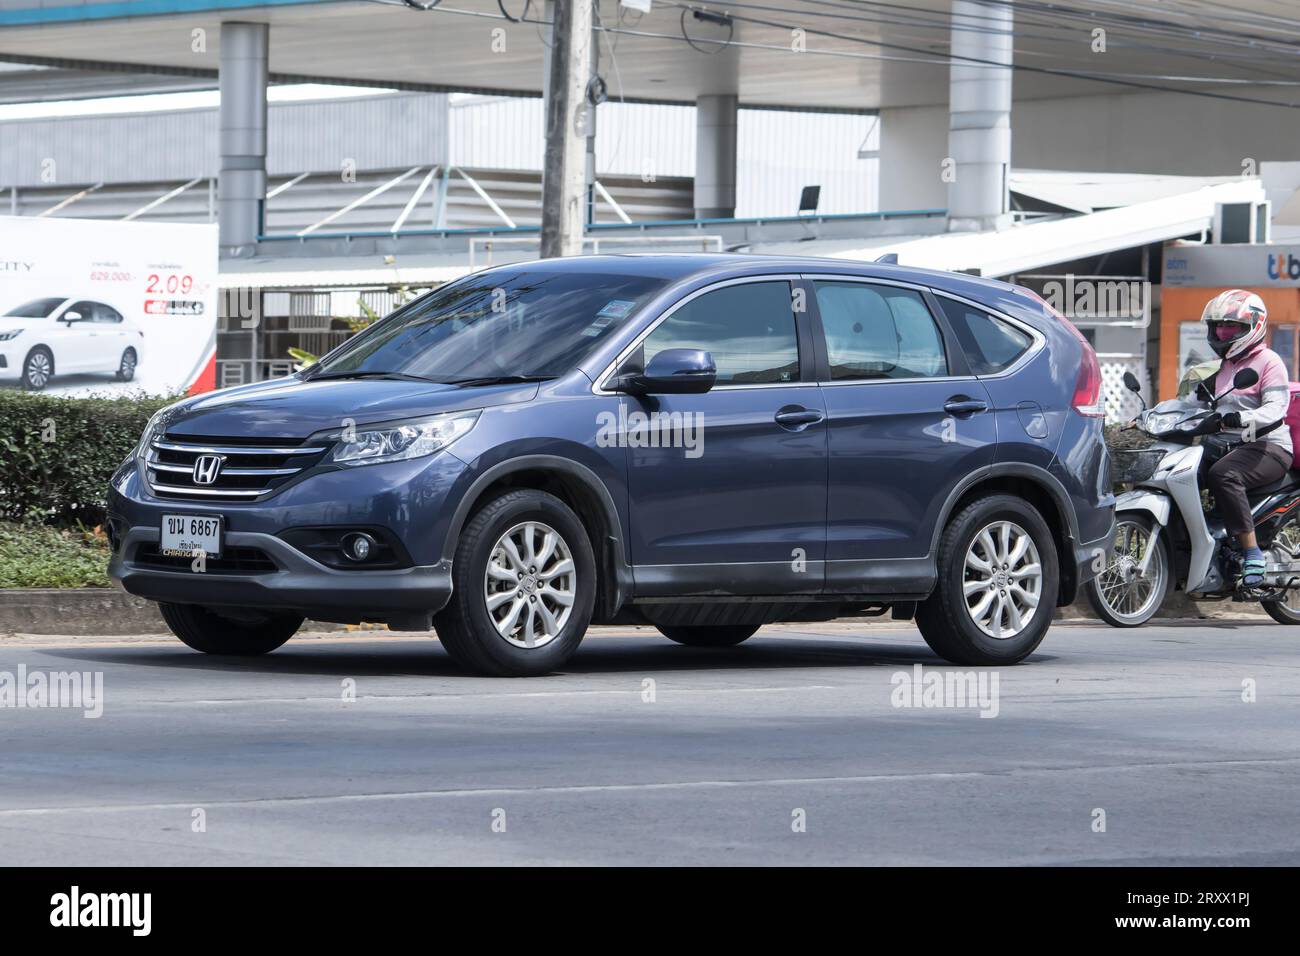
point(530, 584)
point(38, 369)
point(1003, 579)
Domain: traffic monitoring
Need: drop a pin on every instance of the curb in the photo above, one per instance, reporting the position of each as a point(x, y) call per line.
point(85, 611)
point(111, 612)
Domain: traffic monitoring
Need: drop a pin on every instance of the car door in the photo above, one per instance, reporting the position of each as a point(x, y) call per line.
point(74, 342)
point(907, 422)
point(108, 338)
point(734, 503)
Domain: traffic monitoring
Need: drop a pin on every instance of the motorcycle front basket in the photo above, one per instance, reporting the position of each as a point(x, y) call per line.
point(1131, 465)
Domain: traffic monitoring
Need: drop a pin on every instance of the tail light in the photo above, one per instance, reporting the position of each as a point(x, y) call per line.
point(1087, 398)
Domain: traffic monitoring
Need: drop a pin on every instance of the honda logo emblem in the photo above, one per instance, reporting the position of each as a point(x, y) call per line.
point(206, 469)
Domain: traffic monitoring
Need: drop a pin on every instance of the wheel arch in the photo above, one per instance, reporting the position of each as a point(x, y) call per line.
point(1044, 492)
point(579, 488)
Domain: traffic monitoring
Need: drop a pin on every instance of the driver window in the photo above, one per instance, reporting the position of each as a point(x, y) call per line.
point(748, 328)
point(84, 309)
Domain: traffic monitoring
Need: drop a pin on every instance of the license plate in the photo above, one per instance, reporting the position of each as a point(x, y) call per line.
point(182, 535)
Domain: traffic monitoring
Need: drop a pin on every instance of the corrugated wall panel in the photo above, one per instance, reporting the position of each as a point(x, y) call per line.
point(375, 132)
point(780, 153)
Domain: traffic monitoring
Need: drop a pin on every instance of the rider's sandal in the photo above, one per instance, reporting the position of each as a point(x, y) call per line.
point(1252, 572)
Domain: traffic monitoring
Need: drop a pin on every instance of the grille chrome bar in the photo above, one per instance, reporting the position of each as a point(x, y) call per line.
point(239, 472)
point(233, 449)
point(213, 492)
point(245, 472)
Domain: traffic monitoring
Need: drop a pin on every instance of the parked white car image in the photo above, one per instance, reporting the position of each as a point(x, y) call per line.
point(64, 336)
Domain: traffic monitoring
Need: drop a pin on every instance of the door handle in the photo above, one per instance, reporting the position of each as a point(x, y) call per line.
point(961, 405)
point(796, 417)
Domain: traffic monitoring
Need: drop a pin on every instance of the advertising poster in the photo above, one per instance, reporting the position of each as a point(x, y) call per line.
point(90, 307)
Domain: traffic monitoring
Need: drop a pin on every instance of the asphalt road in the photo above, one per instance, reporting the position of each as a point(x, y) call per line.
point(786, 750)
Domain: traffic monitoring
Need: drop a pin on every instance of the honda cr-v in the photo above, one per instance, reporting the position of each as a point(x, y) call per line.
point(705, 444)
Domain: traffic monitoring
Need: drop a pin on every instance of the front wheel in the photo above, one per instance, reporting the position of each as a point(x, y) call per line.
point(1133, 585)
point(230, 631)
point(524, 586)
point(996, 587)
point(38, 368)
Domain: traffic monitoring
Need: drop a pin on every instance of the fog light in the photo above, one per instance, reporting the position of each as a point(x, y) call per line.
point(358, 546)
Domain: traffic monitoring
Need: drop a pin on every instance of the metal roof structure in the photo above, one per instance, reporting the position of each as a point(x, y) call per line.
point(809, 54)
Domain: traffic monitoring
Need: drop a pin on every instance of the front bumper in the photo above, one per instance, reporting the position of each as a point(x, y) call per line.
point(410, 499)
point(298, 584)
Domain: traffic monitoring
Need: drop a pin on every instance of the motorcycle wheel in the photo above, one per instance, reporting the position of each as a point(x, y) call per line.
point(1285, 547)
point(1121, 594)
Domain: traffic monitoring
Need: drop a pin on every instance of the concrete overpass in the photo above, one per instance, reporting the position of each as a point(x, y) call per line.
point(964, 88)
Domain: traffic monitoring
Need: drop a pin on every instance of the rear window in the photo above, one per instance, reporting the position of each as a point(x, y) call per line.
point(991, 344)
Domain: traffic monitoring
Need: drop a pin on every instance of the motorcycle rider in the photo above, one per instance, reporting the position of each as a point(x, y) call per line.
point(1235, 325)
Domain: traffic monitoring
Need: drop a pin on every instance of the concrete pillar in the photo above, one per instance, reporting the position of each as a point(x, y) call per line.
point(567, 114)
point(979, 115)
point(241, 185)
point(715, 156)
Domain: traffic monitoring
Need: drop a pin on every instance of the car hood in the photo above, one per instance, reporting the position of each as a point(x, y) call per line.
point(292, 408)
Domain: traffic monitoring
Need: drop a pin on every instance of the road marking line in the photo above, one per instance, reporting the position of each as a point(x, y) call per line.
point(310, 800)
point(334, 699)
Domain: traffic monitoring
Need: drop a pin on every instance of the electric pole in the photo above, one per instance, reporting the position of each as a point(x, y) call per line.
point(567, 115)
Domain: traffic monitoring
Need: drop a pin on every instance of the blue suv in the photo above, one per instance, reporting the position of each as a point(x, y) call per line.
point(705, 444)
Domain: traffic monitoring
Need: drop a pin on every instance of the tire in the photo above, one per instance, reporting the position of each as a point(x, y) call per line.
point(38, 368)
point(1286, 542)
point(526, 632)
point(233, 633)
point(945, 618)
point(1116, 588)
point(126, 367)
point(704, 635)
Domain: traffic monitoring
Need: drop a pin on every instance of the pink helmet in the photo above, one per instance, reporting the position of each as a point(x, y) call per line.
point(1235, 321)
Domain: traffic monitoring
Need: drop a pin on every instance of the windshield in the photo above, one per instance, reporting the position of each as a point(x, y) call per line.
point(504, 324)
point(36, 309)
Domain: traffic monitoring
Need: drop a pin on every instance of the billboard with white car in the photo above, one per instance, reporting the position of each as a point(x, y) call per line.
point(91, 307)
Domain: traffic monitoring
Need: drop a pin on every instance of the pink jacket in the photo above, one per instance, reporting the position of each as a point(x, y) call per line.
point(1263, 403)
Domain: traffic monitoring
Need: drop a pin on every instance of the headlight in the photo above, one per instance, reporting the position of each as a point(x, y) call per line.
point(413, 439)
point(10, 334)
point(156, 426)
point(1162, 421)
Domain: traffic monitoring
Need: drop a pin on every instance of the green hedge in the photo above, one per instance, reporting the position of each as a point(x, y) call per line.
point(57, 454)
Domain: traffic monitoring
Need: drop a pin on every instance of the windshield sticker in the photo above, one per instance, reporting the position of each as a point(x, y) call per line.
point(616, 309)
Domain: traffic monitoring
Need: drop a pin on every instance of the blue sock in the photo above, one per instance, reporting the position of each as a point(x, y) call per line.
point(1254, 554)
point(1252, 570)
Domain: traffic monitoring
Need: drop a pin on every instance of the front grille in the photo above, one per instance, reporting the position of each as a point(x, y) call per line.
point(248, 468)
point(233, 560)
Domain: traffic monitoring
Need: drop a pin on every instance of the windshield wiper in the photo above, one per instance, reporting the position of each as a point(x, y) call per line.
point(399, 376)
point(500, 380)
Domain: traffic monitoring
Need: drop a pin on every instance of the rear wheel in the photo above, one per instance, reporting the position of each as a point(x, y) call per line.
point(126, 367)
point(1286, 548)
point(230, 631)
point(524, 585)
point(1133, 585)
point(702, 635)
point(997, 584)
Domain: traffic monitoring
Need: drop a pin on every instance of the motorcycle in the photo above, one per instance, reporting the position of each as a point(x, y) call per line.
point(1164, 535)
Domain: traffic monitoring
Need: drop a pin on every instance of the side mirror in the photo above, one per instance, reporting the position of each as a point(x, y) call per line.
point(672, 372)
point(1245, 378)
point(71, 317)
point(1131, 382)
